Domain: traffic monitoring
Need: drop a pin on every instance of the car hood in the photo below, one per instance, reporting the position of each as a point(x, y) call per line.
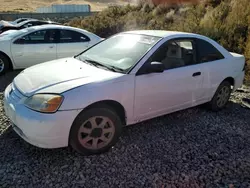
point(58, 76)
point(8, 32)
point(7, 35)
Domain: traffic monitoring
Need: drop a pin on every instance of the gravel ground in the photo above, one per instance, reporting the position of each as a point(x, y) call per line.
point(191, 148)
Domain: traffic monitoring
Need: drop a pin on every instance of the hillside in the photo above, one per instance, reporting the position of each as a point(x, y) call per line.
point(226, 21)
point(31, 5)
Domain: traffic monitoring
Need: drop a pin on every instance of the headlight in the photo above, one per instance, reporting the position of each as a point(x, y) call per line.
point(47, 103)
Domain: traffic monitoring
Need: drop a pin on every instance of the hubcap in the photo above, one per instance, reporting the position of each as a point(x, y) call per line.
point(223, 96)
point(96, 133)
point(1, 65)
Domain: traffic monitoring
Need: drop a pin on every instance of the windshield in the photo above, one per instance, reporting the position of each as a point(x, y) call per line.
point(21, 20)
point(120, 52)
point(22, 23)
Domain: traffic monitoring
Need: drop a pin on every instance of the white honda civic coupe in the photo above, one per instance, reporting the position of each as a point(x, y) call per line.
point(24, 48)
point(85, 101)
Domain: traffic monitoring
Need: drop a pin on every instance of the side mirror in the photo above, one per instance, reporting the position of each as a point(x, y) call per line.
point(155, 67)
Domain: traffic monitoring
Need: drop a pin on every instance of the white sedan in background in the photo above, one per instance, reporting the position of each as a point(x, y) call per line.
point(84, 101)
point(24, 48)
point(17, 21)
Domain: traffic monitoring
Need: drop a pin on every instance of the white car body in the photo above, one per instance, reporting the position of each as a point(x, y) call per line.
point(28, 54)
point(141, 96)
point(17, 21)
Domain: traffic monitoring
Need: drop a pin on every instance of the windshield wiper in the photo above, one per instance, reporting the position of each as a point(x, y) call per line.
point(88, 61)
point(109, 67)
point(97, 64)
point(116, 69)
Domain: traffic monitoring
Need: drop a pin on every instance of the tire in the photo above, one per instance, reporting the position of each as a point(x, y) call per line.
point(220, 100)
point(4, 64)
point(87, 132)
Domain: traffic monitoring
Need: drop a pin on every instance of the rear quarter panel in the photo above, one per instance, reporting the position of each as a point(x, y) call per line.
point(219, 70)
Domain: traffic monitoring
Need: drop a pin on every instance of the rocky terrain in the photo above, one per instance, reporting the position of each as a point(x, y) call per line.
point(190, 148)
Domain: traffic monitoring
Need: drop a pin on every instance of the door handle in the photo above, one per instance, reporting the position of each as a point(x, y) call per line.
point(51, 47)
point(196, 74)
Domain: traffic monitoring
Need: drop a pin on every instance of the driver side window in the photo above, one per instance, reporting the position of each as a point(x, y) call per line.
point(175, 53)
point(38, 37)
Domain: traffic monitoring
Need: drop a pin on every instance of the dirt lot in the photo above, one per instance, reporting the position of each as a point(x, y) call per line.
point(191, 148)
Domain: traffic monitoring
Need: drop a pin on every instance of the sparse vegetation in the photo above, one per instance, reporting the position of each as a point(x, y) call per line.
point(226, 21)
point(31, 5)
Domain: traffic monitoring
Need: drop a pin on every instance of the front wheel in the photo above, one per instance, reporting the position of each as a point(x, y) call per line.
point(4, 64)
point(221, 96)
point(95, 131)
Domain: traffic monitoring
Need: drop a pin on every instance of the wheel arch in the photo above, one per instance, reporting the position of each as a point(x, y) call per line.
point(230, 80)
point(11, 63)
point(100, 105)
point(113, 105)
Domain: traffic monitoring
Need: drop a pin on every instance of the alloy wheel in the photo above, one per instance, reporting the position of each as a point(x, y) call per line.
point(1, 65)
point(97, 132)
point(223, 96)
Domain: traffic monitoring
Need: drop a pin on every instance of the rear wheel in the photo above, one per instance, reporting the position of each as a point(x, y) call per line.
point(221, 96)
point(95, 131)
point(4, 64)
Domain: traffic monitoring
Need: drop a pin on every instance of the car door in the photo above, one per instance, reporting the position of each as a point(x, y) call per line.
point(34, 48)
point(214, 64)
point(178, 87)
point(71, 43)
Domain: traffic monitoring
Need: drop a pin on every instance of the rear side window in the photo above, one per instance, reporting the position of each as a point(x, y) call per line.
point(68, 36)
point(207, 52)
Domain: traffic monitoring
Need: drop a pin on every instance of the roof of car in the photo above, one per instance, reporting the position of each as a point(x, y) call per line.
point(53, 26)
point(35, 20)
point(158, 33)
point(46, 26)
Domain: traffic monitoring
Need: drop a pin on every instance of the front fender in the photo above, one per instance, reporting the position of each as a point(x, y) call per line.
point(121, 91)
point(5, 48)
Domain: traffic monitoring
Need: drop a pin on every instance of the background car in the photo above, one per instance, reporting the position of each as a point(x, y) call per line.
point(27, 47)
point(84, 101)
point(17, 21)
point(28, 23)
